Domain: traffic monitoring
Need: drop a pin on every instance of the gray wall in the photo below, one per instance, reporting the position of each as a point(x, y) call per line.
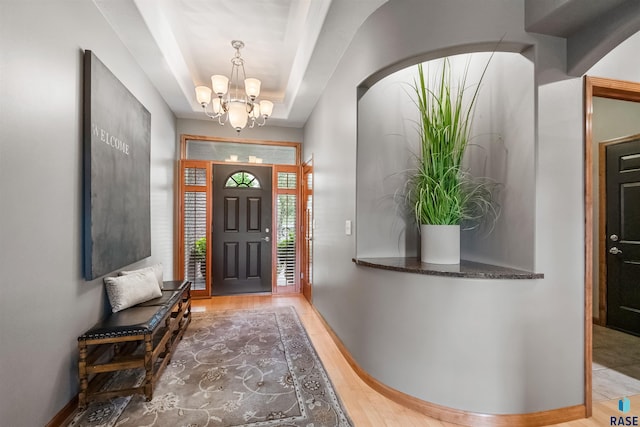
point(479, 345)
point(44, 301)
point(208, 127)
point(501, 148)
point(612, 118)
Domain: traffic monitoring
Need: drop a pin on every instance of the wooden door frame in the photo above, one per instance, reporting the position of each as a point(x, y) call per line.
point(182, 188)
point(604, 88)
point(184, 138)
point(178, 264)
point(304, 253)
point(297, 286)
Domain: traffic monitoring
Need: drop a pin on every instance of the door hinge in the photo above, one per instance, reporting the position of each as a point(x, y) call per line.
point(301, 275)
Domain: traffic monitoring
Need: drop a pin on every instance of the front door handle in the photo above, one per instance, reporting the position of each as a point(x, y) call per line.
point(266, 239)
point(615, 251)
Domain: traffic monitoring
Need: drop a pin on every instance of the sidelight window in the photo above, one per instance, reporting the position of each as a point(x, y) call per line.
point(286, 228)
point(194, 226)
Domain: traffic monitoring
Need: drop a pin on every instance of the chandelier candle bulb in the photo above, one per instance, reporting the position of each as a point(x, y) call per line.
point(266, 108)
point(237, 115)
point(252, 87)
point(216, 104)
point(220, 84)
point(203, 94)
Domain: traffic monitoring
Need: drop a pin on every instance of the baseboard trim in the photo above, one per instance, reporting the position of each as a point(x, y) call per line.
point(457, 416)
point(64, 413)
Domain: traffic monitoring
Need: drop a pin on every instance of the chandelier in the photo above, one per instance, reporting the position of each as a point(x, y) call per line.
point(233, 104)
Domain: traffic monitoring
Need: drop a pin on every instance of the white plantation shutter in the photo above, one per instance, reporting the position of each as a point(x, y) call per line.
point(286, 231)
point(195, 228)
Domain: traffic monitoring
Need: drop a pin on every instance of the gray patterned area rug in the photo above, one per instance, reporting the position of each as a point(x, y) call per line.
point(232, 368)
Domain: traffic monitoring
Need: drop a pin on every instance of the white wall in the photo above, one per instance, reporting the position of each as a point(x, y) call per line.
point(44, 301)
point(489, 346)
point(208, 127)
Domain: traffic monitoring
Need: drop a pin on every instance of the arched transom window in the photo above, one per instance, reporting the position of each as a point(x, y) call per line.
point(242, 179)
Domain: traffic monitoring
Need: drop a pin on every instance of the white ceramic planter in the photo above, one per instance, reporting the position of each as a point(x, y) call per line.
point(440, 244)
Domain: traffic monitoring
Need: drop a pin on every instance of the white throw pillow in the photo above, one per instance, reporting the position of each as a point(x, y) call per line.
point(156, 269)
point(131, 289)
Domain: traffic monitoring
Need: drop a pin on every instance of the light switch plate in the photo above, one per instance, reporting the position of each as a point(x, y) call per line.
point(347, 227)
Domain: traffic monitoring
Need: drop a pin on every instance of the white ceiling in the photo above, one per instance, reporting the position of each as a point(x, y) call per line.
point(292, 46)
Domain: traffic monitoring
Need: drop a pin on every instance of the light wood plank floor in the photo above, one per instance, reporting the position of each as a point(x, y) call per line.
point(366, 407)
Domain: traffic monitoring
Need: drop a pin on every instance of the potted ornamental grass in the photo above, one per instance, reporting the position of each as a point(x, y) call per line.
point(441, 192)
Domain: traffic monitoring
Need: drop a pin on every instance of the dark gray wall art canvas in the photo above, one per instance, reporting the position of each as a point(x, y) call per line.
point(117, 129)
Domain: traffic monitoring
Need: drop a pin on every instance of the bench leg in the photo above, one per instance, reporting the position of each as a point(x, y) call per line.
point(148, 366)
point(82, 373)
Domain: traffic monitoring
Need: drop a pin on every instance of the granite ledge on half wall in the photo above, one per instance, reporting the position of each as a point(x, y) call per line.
point(466, 269)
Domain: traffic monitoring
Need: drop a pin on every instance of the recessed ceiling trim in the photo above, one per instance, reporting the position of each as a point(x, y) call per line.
point(161, 31)
point(292, 46)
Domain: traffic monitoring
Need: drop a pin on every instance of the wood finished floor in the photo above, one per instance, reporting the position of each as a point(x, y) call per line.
point(366, 407)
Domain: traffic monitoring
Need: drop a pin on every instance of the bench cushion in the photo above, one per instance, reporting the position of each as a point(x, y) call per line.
point(132, 321)
point(140, 319)
point(168, 298)
point(175, 285)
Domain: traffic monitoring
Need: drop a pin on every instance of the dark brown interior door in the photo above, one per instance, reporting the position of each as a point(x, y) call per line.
point(623, 235)
point(241, 233)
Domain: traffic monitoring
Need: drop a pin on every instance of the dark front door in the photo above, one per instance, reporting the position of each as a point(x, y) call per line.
point(623, 235)
point(241, 234)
